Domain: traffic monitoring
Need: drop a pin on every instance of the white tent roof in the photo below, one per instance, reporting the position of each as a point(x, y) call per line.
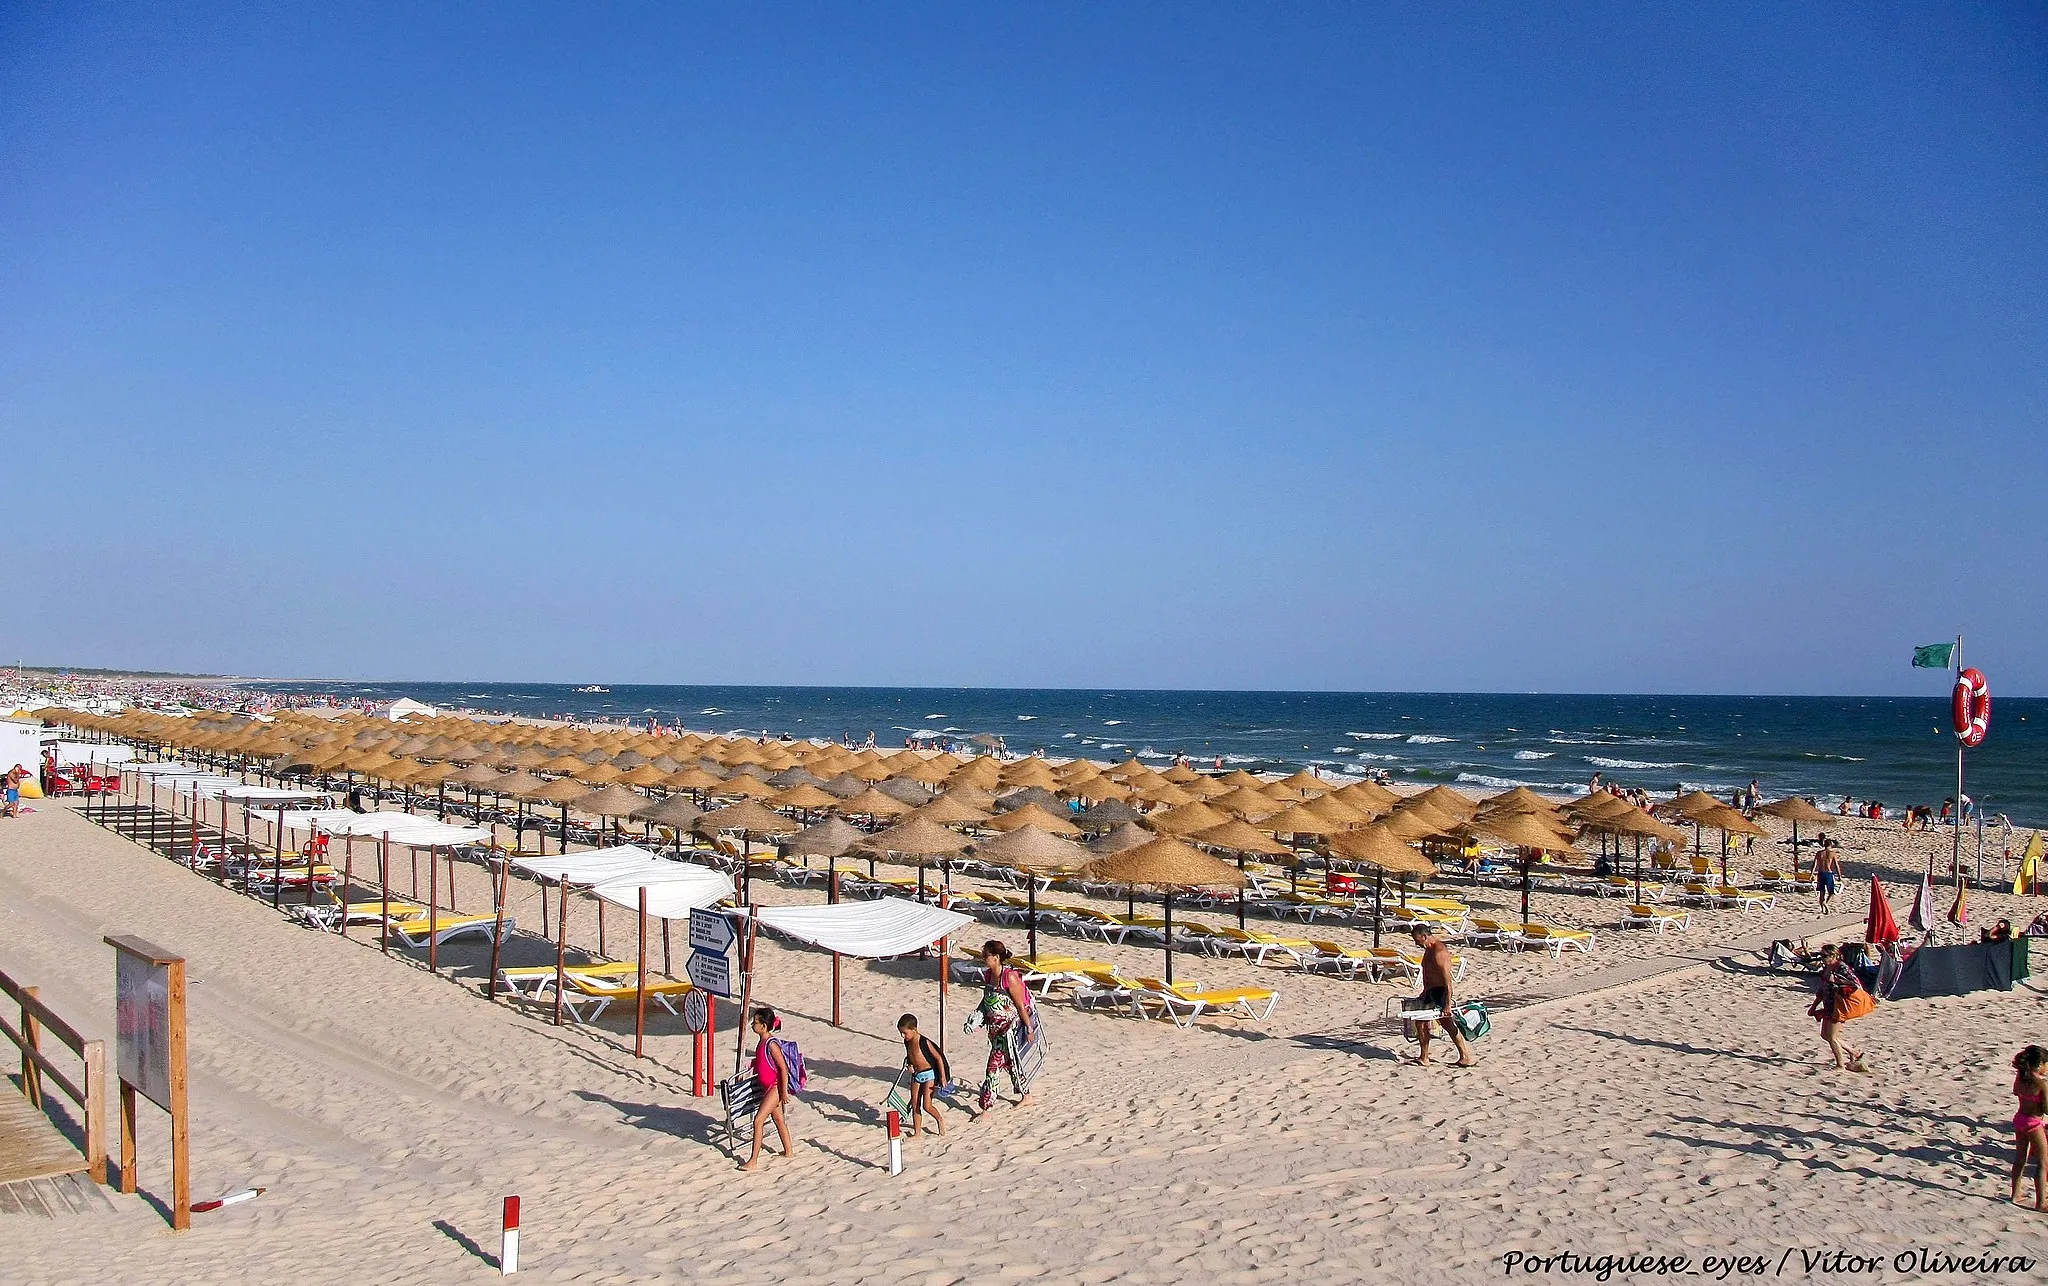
point(673, 890)
point(883, 927)
point(232, 789)
point(90, 752)
point(594, 867)
point(403, 828)
point(169, 769)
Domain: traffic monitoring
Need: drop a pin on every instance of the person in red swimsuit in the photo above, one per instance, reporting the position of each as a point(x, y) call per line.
point(2030, 1123)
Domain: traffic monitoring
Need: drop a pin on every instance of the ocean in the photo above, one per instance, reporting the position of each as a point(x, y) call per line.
point(1893, 749)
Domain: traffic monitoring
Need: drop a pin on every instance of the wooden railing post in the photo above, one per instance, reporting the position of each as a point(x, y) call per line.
point(31, 1045)
point(95, 1108)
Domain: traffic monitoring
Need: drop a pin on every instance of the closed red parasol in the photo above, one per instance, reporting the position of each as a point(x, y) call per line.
point(1882, 928)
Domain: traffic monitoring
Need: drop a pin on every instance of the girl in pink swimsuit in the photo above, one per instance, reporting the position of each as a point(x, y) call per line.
point(2030, 1123)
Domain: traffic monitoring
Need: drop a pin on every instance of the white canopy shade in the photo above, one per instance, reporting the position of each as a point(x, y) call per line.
point(871, 930)
point(168, 769)
point(403, 828)
point(271, 795)
point(674, 889)
point(594, 867)
point(88, 752)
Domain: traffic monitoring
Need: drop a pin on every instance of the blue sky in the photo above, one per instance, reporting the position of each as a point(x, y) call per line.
point(1563, 348)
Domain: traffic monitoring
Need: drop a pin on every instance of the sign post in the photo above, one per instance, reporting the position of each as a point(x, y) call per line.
point(149, 1034)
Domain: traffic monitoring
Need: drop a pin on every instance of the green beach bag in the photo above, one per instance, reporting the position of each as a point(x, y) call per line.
point(1472, 1019)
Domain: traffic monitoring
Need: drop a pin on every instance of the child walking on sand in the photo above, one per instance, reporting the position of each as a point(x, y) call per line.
point(928, 1072)
point(771, 1069)
point(2030, 1123)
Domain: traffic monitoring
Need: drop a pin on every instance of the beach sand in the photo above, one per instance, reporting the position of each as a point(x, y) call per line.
point(1657, 1096)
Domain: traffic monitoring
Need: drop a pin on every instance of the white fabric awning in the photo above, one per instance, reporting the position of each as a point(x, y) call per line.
point(270, 795)
point(403, 828)
point(673, 890)
point(165, 770)
point(593, 867)
point(88, 752)
point(871, 930)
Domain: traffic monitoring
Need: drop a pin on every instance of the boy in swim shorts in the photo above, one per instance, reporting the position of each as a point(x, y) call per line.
point(928, 1072)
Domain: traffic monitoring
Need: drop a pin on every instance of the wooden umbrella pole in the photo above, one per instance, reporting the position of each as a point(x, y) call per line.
point(945, 969)
point(348, 868)
point(561, 946)
point(501, 880)
point(739, 1038)
point(433, 906)
point(832, 896)
point(1169, 937)
point(384, 884)
point(640, 999)
point(1379, 895)
point(600, 929)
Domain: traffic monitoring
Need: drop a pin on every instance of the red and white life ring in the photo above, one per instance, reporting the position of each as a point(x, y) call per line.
point(1970, 708)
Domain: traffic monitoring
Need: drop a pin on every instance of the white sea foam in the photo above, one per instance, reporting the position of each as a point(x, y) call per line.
point(1111, 723)
point(1367, 754)
point(1424, 739)
point(938, 716)
point(1026, 717)
point(1340, 750)
point(1534, 754)
point(1509, 783)
point(1240, 759)
point(1066, 735)
point(1377, 736)
point(711, 710)
point(1599, 762)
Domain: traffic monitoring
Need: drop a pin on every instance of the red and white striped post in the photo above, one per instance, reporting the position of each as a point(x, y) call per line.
point(895, 1142)
point(508, 1244)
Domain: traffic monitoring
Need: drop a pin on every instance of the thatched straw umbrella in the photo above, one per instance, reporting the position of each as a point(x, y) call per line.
point(1528, 834)
point(1168, 865)
point(915, 837)
point(1379, 847)
point(1187, 819)
point(559, 791)
point(1728, 821)
point(1240, 837)
point(752, 822)
point(1795, 810)
point(1105, 815)
point(948, 811)
point(1120, 837)
point(873, 803)
point(1030, 850)
point(613, 802)
point(1032, 815)
point(674, 812)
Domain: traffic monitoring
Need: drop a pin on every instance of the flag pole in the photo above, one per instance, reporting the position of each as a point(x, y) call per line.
point(1956, 850)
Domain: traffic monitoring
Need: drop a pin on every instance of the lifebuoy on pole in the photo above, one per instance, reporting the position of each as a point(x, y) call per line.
point(1970, 707)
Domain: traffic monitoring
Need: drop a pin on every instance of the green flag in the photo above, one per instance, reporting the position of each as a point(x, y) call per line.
point(1934, 656)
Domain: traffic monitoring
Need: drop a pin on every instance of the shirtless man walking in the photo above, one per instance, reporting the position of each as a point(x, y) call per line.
point(1436, 994)
point(1827, 871)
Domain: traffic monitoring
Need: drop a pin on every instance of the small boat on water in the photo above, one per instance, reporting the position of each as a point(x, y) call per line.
point(592, 688)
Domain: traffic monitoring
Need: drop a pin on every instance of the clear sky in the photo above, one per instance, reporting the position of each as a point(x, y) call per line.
point(1568, 348)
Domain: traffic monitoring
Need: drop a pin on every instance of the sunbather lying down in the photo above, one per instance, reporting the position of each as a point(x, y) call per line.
point(1786, 954)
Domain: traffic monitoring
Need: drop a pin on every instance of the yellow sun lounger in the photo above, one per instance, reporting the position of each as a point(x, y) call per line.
point(1658, 918)
point(414, 932)
point(1184, 1002)
point(1558, 940)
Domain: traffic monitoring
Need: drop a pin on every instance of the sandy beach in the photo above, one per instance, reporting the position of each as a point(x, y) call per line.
point(1656, 1096)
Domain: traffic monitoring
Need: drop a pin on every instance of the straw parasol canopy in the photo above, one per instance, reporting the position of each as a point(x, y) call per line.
point(872, 803)
point(1446, 800)
point(692, 777)
point(674, 811)
point(479, 775)
point(948, 811)
point(644, 775)
point(1691, 804)
point(612, 801)
point(917, 837)
point(747, 817)
point(1237, 836)
point(1031, 815)
point(744, 786)
point(1188, 819)
point(564, 790)
point(1023, 795)
point(1108, 813)
point(1030, 848)
point(1120, 837)
point(1523, 830)
point(1793, 809)
point(829, 838)
point(1415, 823)
point(803, 796)
point(1299, 820)
point(1730, 822)
point(1165, 863)
point(1368, 794)
point(1378, 845)
point(1246, 802)
point(1099, 789)
point(519, 785)
point(904, 790)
